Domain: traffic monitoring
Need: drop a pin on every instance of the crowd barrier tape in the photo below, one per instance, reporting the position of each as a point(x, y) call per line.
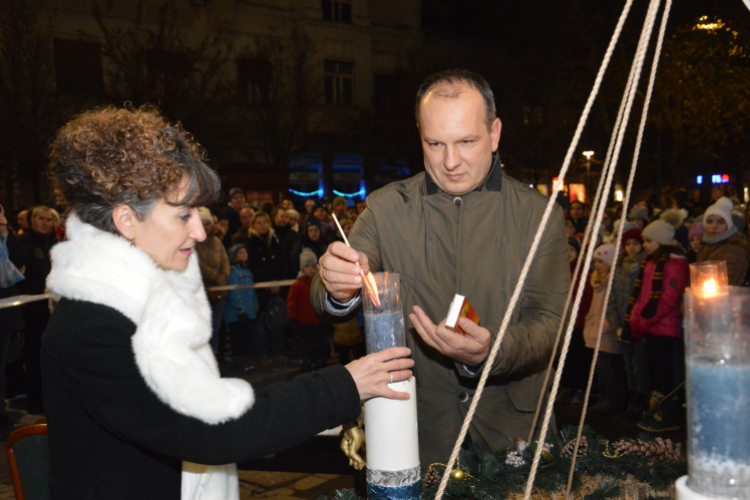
point(25, 299)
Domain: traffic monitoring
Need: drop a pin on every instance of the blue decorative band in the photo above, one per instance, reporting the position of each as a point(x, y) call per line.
point(411, 492)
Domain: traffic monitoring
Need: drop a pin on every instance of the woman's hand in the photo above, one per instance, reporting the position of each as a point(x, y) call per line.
point(374, 372)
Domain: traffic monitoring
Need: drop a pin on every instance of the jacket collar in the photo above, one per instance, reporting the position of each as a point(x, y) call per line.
point(493, 181)
point(171, 313)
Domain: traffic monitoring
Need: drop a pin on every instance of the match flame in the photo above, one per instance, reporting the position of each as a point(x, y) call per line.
point(373, 287)
point(709, 287)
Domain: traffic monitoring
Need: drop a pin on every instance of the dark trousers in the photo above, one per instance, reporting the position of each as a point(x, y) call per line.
point(35, 315)
point(242, 336)
point(313, 344)
point(575, 374)
point(666, 358)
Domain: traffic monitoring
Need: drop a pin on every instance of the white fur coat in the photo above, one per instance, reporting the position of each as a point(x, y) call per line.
point(173, 328)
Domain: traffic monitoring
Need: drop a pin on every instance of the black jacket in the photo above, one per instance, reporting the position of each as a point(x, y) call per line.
point(35, 256)
point(111, 437)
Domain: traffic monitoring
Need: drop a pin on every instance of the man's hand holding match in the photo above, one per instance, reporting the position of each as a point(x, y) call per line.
point(340, 270)
point(470, 349)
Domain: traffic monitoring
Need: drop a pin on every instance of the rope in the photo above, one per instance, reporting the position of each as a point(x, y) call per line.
point(565, 316)
point(529, 259)
point(18, 300)
point(653, 9)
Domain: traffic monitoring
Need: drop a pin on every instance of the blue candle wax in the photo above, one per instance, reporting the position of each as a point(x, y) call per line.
point(719, 420)
point(384, 330)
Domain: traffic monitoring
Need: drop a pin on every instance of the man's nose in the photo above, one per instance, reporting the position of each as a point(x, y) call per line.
point(452, 159)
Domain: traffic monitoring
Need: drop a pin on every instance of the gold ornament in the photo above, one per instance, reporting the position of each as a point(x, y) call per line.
point(457, 475)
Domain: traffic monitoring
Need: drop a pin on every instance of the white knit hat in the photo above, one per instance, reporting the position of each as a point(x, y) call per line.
point(205, 214)
point(605, 253)
point(659, 231)
point(723, 208)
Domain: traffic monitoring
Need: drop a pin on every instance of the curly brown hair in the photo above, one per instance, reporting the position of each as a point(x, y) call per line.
point(112, 156)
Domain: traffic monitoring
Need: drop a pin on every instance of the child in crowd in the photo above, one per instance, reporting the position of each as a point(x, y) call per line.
point(655, 314)
point(574, 248)
point(635, 356)
point(695, 237)
point(349, 338)
point(575, 371)
point(609, 365)
point(241, 306)
point(312, 332)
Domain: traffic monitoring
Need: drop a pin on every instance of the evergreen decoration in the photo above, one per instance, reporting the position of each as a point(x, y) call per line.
point(606, 471)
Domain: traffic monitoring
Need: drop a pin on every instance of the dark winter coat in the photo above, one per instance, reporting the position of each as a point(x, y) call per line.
point(132, 389)
point(35, 256)
point(474, 245)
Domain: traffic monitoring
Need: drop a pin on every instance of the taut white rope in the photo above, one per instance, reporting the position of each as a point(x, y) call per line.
point(610, 169)
point(626, 201)
point(532, 254)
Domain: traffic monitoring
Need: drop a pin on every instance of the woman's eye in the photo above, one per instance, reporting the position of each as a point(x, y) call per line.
point(185, 217)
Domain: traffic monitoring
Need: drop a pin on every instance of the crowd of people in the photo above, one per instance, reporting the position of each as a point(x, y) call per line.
point(246, 244)
point(641, 357)
point(130, 354)
point(641, 351)
point(249, 244)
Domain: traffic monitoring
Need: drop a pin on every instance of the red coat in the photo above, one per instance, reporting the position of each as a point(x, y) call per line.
point(667, 322)
point(298, 302)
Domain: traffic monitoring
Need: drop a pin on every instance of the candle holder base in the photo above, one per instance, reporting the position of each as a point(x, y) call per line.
point(685, 493)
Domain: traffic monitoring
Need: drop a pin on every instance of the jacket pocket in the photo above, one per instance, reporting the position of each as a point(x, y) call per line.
point(524, 393)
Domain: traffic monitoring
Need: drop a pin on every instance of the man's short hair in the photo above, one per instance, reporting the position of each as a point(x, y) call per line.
point(339, 200)
point(458, 76)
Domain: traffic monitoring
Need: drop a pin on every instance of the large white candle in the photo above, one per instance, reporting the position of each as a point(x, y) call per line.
point(392, 444)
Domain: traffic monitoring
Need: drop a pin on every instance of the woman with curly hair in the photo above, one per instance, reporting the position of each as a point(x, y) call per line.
point(135, 403)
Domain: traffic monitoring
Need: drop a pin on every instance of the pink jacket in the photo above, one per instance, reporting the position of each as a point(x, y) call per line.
point(667, 322)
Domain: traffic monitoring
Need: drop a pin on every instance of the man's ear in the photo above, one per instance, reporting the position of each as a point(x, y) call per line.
point(124, 219)
point(495, 130)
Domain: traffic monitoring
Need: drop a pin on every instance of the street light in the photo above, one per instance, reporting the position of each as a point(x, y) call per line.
point(588, 155)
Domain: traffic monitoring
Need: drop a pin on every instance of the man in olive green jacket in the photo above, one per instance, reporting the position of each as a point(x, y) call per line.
point(460, 227)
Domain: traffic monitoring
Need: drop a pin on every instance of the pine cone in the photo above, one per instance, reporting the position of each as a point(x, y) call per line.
point(583, 448)
point(431, 478)
point(658, 449)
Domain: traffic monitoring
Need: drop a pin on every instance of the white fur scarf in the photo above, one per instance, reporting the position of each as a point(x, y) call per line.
point(173, 320)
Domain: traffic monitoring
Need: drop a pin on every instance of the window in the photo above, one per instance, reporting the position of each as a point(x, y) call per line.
point(339, 78)
point(254, 80)
point(168, 72)
point(78, 68)
point(339, 11)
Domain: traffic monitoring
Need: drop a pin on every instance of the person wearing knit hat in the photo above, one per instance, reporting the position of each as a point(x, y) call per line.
point(654, 314)
point(632, 234)
point(639, 216)
point(304, 322)
point(717, 221)
point(634, 355)
point(660, 232)
point(605, 253)
point(724, 242)
point(307, 259)
point(609, 349)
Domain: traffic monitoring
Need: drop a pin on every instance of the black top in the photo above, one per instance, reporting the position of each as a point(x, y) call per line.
point(35, 256)
point(111, 437)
